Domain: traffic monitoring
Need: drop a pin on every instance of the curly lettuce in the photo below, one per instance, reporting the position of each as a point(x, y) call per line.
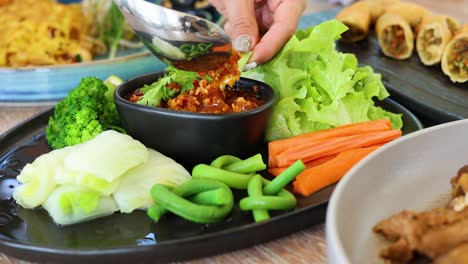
point(319, 87)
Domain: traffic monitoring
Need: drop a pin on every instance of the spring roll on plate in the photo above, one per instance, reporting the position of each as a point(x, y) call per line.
point(452, 23)
point(395, 36)
point(377, 8)
point(357, 18)
point(455, 57)
point(411, 12)
point(432, 39)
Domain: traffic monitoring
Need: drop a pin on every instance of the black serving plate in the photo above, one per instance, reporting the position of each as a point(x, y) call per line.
point(134, 238)
point(425, 90)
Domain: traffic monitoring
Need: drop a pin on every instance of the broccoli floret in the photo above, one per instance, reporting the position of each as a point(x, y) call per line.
point(87, 111)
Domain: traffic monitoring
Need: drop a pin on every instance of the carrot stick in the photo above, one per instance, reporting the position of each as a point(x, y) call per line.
point(314, 179)
point(278, 146)
point(276, 171)
point(317, 149)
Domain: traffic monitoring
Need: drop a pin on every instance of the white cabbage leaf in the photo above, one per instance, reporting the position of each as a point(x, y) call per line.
point(70, 204)
point(134, 189)
point(38, 178)
point(107, 156)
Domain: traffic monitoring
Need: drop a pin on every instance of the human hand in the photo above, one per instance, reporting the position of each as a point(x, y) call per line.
point(263, 26)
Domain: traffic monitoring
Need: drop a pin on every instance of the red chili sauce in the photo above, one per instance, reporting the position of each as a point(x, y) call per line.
point(215, 97)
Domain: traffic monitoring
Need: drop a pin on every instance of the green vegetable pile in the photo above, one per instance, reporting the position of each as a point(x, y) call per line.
point(319, 87)
point(210, 201)
point(87, 111)
point(208, 197)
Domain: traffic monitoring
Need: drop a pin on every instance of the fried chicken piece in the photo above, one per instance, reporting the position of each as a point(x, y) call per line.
point(430, 233)
point(398, 252)
point(458, 255)
point(460, 182)
point(437, 242)
point(440, 234)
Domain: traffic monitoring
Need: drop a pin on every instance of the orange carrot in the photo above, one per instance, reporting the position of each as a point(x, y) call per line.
point(278, 146)
point(317, 149)
point(277, 171)
point(314, 179)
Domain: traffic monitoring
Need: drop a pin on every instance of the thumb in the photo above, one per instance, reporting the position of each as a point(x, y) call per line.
point(241, 24)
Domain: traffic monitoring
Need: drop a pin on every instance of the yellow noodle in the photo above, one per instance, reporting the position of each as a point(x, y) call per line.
point(43, 32)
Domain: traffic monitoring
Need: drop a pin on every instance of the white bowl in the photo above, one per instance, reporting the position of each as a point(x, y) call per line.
point(412, 172)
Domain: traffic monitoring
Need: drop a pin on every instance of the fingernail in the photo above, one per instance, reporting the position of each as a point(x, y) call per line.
point(243, 43)
point(249, 66)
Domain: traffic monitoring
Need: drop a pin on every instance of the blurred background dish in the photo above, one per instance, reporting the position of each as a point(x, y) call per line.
point(49, 77)
point(201, 8)
point(48, 84)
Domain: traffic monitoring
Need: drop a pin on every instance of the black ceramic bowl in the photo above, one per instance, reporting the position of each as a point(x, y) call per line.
point(192, 138)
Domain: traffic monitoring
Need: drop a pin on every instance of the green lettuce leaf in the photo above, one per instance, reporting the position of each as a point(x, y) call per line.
point(318, 87)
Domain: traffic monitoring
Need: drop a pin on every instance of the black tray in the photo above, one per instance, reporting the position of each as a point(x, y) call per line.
point(424, 90)
point(133, 238)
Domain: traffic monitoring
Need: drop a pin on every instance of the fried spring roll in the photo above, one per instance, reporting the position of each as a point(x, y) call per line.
point(357, 18)
point(432, 40)
point(455, 57)
point(427, 18)
point(411, 12)
point(377, 7)
point(452, 23)
point(395, 36)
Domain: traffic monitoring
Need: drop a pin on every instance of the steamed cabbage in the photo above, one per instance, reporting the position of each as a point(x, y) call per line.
point(71, 204)
point(109, 173)
point(107, 156)
point(38, 178)
point(134, 188)
point(91, 181)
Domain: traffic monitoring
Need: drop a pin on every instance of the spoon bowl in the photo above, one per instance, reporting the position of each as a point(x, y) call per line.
point(185, 41)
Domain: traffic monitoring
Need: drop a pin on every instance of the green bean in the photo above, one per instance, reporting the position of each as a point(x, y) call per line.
point(284, 178)
point(224, 160)
point(231, 179)
point(212, 197)
point(250, 165)
point(254, 190)
point(156, 211)
point(284, 201)
point(175, 201)
point(235, 164)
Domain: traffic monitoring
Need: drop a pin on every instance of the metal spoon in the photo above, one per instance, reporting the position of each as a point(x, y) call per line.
point(188, 42)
